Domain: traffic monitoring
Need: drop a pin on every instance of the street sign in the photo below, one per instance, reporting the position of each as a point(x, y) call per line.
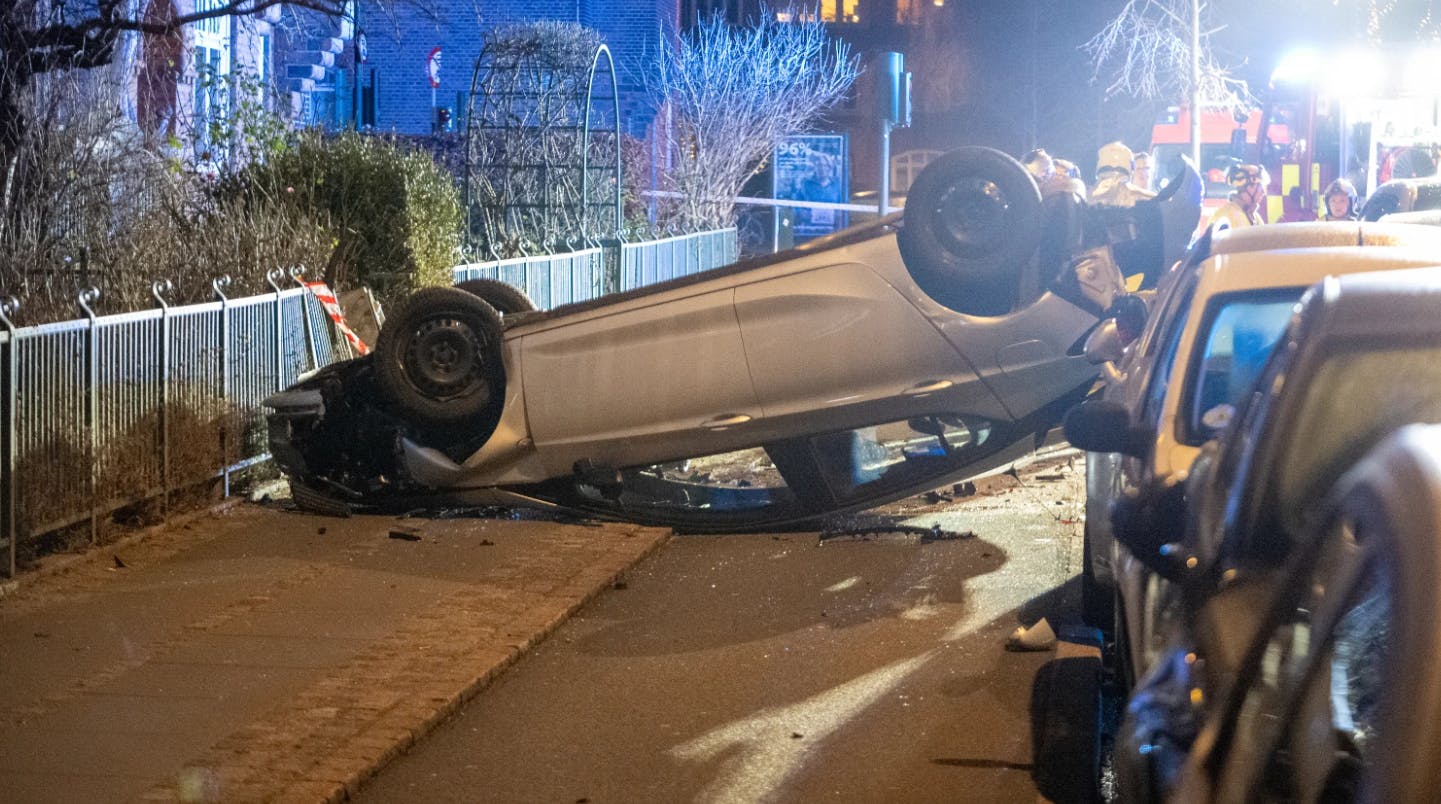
point(432, 67)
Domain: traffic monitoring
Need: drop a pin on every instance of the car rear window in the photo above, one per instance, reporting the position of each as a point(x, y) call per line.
point(1355, 399)
point(1237, 334)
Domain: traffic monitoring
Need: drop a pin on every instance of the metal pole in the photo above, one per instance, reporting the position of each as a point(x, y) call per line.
point(220, 283)
point(86, 298)
point(8, 307)
point(885, 202)
point(158, 289)
point(1196, 84)
point(274, 277)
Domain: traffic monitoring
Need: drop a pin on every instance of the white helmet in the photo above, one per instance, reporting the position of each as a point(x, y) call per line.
point(1114, 156)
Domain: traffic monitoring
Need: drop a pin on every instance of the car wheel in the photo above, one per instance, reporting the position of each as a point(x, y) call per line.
point(438, 359)
point(506, 299)
point(972, 222)
point(1097, 599)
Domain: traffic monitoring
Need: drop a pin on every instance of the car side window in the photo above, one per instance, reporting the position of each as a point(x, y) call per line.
point(1164, 363)
point(1237, 336)
point(1176, 301)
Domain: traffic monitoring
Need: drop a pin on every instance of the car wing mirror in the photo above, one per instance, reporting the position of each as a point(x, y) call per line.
point(1099, 425)
point(1104, 345)
point(1151, 523)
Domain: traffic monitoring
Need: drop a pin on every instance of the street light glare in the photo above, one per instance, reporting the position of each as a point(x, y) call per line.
point(1356, 74)
point(1298, 66)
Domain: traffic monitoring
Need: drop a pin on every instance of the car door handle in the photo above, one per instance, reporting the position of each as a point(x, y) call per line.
point(725, 420)
point(928, 387)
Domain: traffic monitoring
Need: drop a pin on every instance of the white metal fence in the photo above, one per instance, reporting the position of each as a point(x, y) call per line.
point(558, 279)
point(107, 412)
point(104, 413)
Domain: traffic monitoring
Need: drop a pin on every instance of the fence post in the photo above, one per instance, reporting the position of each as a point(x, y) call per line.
point(220, 283)
point(274, 276)
point(88, 297)
point(297, 272)
point(9, 305)
point(158, 289)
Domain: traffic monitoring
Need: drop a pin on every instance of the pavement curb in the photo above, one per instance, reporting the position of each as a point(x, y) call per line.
point(406, 738)
point(322, 742)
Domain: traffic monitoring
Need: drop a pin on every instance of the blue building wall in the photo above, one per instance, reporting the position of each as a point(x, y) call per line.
point(397, 53)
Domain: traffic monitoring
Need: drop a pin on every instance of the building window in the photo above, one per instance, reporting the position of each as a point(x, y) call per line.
point(839, 11)
point(210, 98)
point(212, 71)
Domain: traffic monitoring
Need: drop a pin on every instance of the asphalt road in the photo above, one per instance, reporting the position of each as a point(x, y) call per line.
point(864, 666)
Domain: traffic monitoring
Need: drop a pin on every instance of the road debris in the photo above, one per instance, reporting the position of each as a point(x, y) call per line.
point(1039, 637)
point(866, 531)
point(405, 535)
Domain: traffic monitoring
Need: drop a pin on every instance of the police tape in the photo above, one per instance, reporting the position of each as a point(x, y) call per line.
point(327, 299)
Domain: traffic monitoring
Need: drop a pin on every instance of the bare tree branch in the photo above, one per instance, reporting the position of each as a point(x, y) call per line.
point(735, 93)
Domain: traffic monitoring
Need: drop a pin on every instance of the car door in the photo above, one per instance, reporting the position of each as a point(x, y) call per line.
point(646, 382)
point(1337, 698)
point(839, 344)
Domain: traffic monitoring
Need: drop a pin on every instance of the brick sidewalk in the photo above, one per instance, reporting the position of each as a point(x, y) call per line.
point(270, 655)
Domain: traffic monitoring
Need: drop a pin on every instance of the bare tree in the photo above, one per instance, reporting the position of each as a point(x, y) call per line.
point(734, 94)
point(1146, 50)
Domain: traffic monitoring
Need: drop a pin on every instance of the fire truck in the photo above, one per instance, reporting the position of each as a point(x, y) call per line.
point(1367, 115)
point(1227, 138)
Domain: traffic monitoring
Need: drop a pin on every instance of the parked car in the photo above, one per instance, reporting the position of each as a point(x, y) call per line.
point(881, 361)
point(1277, 585)
point(1212, 325)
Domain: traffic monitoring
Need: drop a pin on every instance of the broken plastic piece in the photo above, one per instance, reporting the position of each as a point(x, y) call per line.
point(1036, 638)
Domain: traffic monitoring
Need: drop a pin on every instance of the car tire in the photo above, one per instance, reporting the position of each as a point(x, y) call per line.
point(1097, 599)
point(972, 223)
point(506, 299)
point(438, 359)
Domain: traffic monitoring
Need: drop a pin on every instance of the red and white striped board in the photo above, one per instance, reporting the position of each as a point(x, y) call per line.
point(327, 299)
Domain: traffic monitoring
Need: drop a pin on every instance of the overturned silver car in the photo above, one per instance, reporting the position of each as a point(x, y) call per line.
point(884, 360)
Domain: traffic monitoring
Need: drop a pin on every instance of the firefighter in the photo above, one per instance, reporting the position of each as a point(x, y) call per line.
point(1340, 198)
point(1243, 207)
point(1053, 175)
point(1114, 165)
point(1039, 164)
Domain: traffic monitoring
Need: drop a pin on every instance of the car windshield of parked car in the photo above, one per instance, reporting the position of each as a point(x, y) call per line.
point(1238, 334)
point(1354, 399)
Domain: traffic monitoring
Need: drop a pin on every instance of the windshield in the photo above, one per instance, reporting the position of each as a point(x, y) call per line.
point(1236, 337)
point(1356, 398)
point(791, 480)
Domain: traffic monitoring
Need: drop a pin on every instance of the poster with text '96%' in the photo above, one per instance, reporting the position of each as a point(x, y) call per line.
point(814, 167)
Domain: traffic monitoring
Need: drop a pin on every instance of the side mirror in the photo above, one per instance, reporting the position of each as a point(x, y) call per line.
point(1104, 345)
point(1098, 425)
point(1151, 522)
